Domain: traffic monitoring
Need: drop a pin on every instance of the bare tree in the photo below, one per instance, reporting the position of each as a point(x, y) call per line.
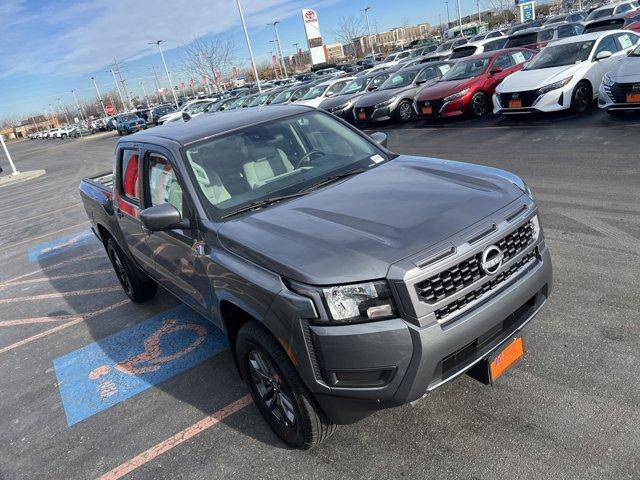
point(348, 28)
point(504, 9)
point(206, 57)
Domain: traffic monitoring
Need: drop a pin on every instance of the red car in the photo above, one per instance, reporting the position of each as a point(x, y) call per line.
point(467, 88)
point(632, 21)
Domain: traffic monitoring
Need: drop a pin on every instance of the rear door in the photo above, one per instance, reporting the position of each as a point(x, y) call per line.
point(126, 204)
point(176, 253)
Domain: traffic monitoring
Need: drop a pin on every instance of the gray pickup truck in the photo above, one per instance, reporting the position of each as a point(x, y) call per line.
point(347, 278)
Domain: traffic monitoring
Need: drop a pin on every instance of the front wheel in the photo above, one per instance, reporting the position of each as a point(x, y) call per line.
point(138, 286)
point(277, 390)
point(63, 136)
point(479, 105)
point(581, 98)
point(404, 112)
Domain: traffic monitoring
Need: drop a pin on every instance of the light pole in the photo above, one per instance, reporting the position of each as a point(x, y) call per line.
point(295, 55)
point(175, 98)
point(277, 60)
point(448, 17)
point(246, 36)
point(99, 96)
point(64, 110)
point(6, 151)
point(479, 18)
point(279, 47)
point(460, 19)
point(144, 91)
point(366, 15)
point(79, 110)
point(124, 107)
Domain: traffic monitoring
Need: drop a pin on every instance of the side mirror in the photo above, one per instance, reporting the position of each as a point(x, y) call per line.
point(329, 94)
point(496, 70)
point(380, 138)
point(162, 217)
point(371, 88)
point(603, 55)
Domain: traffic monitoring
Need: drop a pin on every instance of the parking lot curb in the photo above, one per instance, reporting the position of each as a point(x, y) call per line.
point(20, 177)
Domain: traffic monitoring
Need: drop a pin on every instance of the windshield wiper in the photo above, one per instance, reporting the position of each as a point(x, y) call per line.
point(270, 200)
point(263, 203)
point(332, 178)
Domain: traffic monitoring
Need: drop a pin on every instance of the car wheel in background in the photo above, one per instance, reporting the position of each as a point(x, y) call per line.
point(581, 98)
point(479, 105)
point(404, 111)
point(63, 136)
point(138, 286)
point(277, 390)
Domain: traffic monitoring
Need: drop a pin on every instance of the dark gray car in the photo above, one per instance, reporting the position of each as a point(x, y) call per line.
point(393, 100)
point(341, 104)
point(346, 278)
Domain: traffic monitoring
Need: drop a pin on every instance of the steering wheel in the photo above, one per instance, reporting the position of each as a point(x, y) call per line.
point(307, 156)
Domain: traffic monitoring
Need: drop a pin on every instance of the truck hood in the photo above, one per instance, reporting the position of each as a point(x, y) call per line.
point(356, 229)
point(525, 80)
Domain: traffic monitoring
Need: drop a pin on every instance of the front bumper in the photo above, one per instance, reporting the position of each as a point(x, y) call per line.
point(354, 370)
point(441, 109)
point(608, 104)
point(373, 115)
point(553, 101)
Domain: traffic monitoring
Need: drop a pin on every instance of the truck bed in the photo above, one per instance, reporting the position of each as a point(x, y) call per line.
point(103, 181)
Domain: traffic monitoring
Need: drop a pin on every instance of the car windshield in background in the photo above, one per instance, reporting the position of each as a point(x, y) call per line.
point(466, 69)
point(596, 14)
point(315, 92)
point(259, 100)
point(282, 97)
point(445, 46)
point(399, 79)
point(354, 86)
point(288, 156)
point(129, 118)
point(561, 55)
point(522, 40)
point(462, 52)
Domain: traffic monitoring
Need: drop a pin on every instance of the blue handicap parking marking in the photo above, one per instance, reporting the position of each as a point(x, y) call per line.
point(102, 374)
point(59, 245)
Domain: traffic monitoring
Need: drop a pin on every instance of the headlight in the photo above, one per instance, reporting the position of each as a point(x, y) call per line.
point(606, 80)
point(359, 302)
point(554, 86)
point(455, 96)
point(386, 103)
point(536, 226)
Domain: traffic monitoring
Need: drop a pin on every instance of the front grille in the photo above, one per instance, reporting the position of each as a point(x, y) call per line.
point(490, 285)
point(435, 104)
point(618, 91)
point(368, 111)
point(528, 98)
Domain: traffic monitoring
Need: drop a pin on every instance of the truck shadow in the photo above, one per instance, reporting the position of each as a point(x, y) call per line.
point(83, 276)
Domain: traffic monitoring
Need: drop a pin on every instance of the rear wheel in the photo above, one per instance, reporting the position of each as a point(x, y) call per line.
point(581, 98)
point(138, 286)
point(277, 390)
point(404, 112)
point(479, 105)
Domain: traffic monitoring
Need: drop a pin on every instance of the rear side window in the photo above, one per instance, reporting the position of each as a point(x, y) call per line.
point(503, 61)
point(129, 171)
point(495, 45)
point(522, 40)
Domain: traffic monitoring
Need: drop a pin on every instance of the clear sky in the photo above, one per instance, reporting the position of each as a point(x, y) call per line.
point(49, 47)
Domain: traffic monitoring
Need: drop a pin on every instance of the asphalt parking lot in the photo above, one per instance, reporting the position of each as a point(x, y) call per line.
point(570, 409)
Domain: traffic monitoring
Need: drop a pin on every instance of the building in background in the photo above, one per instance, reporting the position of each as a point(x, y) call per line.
point(335, 52)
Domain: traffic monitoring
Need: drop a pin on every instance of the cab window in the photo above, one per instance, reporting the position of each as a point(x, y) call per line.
point(163, 185)
point(129, 175)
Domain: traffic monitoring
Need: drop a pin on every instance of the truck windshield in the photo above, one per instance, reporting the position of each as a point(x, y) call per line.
point(278, 158)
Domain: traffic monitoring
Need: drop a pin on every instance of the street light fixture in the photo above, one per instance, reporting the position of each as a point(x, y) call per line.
point(158, 42)
point(366, 14)
point(279, 48)
point(246, 36)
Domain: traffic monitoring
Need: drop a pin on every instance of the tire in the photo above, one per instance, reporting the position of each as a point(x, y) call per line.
point(581, 98)
point(138, 286)
point(63, 136)
point(301, 424)
point(119, 133)
point(479, 105)
point(404, 111)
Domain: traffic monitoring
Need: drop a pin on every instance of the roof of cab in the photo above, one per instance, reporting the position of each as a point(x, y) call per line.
point(210, 124)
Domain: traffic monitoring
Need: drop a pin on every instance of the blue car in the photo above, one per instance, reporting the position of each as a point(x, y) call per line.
point(129, 123)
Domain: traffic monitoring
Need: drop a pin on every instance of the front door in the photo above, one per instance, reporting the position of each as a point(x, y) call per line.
point(176, 253)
